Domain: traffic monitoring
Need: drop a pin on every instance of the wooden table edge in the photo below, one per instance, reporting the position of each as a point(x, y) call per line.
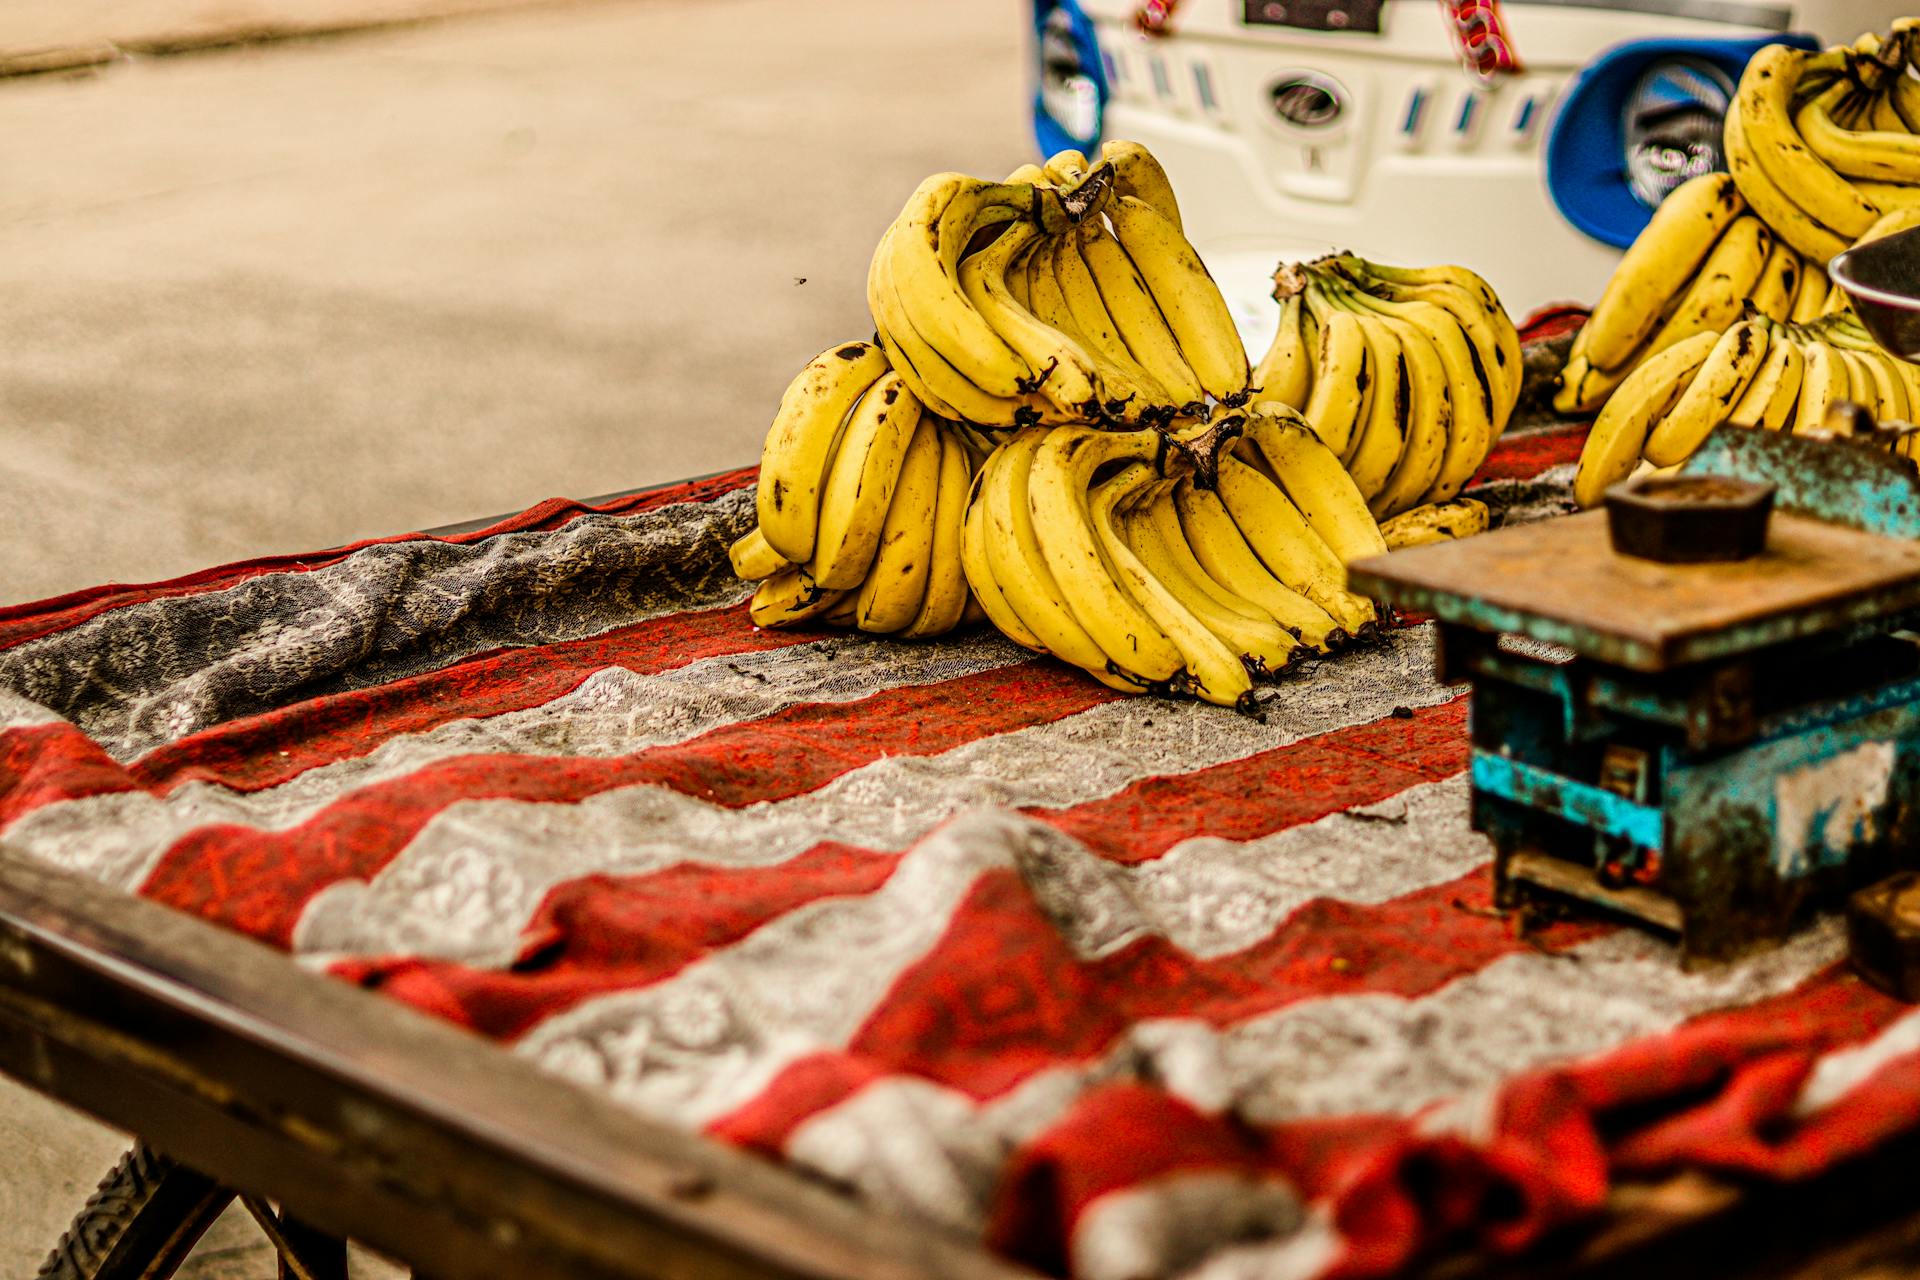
point(380, 1123)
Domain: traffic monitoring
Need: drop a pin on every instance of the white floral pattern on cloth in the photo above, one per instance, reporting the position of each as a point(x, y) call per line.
point(150, 673)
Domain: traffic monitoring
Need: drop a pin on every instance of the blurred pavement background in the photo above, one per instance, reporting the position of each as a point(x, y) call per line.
point(287, 295)
point(281, 297)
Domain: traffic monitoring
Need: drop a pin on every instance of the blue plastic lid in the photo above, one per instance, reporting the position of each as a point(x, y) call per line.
point(1048, 132)
point(1587, 145)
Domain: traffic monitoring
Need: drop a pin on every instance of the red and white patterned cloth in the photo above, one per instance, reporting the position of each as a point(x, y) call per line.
point(1123, 988)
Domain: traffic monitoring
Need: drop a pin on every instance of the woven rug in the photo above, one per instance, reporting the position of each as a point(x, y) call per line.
point(1118, 986)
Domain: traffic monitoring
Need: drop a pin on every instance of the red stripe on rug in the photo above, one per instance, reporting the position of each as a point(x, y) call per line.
point(1523, 457)
point(30, 620)
point(1285, 787)
point(1003, 996)
point(47, 763)
point(1715, 1092)
point(603, 934)
point(260, 881)
point(256, 752)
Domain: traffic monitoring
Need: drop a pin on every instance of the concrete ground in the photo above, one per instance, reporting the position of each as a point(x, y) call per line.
point(279, 298)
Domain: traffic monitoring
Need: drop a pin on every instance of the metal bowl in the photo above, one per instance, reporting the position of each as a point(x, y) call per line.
point(1883, 279)
point(1689, 519)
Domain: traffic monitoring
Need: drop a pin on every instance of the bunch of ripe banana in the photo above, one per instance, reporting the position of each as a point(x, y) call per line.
point(1824, 153)
point(1195, 560)
point(1759, 373)
point(1408, 374)
point(861, 498)
point(1065, 294)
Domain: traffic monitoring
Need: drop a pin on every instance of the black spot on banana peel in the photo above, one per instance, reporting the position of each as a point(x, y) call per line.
point(855, 350)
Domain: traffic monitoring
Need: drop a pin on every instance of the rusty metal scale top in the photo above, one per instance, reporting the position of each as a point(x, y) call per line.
point(1562, 582)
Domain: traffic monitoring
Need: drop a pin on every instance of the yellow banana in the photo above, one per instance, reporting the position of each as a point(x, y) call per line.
point(1138, 174)
point(1153, 530)
point(1657, 266)
point(1222, 551)
point(1875, 385)
point(1891, 222)
point(1904, 92)
point(1015, 560)
point(933, 381)
point(1285, 373)
point(1248, 634)
point(1704, 405)
point(1065, 168)
point(1343, 380)
point(890, 596)
point(1137, 317)
point(1063, 371)
point(1057, 492)
point(790, 598)
point(1187, 296)
point(1471, 301)
point(945, 602)
point(923, 252)
point(1148, 400)
point(1825, 383)
point(793, 461)
point(1619, 434)
point(1128, 393)
point(1772, 294)
point(984, 593)
point(1436, 522)
point(1764, 111)
point(1429, 422)
point(1316, 483)
point(1716, 296)
point(1797, 226)
point(860, 483)
point(1812, 295)
point(1382, 438)
point(1584, 388)
point(1778, 415)
point(1759, 405)
point(1846, 330)
point(1877, 154)
point(1288, 546)
point(844, 611)
point(754, 558)
point(1213, 671)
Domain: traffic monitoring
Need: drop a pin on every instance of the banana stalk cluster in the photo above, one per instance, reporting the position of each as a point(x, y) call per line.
point(1051, 430)
point(1194, 562)
point(1085, 304)
point(1760, 373)
point(1824, 154)
point(1408, 375)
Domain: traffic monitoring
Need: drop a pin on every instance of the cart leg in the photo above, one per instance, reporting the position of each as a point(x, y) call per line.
point(140, 1224)
point(306, 1253)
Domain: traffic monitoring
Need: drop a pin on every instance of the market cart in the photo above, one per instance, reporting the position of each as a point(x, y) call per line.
point(780, 954)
